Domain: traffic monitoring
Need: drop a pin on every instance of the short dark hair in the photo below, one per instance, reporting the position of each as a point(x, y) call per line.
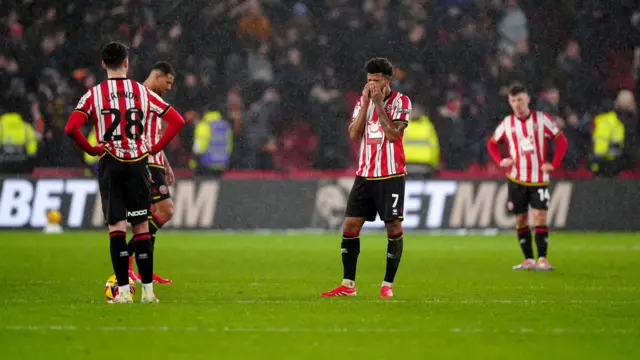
point(114, 54)
point(164, 67)
point(379, 66)
point(517, 90)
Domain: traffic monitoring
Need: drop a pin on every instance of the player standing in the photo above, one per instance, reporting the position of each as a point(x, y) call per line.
point(527, 134)
point(379, 120)
point(120, 109)
point(160, 80)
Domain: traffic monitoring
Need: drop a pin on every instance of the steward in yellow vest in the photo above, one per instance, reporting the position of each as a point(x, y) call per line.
point(421, 147)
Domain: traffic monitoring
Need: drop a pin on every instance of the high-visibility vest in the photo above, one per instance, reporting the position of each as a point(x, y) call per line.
point(93, 140)
point(213, 141)
point(421, 145)
point(608, 135)
point(18, 140)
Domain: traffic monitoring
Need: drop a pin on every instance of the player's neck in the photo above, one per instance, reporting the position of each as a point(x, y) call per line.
point(524, 115)
point(388, 95)
point(114, 74)
point(147, 84)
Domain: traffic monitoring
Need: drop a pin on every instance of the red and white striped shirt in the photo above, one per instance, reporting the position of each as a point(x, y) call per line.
point(380, 157)
point(153, 133)
point(121, 109)
point(527, 140)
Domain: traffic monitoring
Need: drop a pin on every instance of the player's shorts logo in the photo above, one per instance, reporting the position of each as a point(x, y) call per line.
point(164, 190)
point(510, 205)
point(137, 213)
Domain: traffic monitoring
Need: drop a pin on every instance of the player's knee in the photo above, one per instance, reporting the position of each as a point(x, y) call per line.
point(540, 217)
point(164, 210)
point(522, 219)
point(352, 225)
point(393, 227)
point(169, 210)
point(140, 226)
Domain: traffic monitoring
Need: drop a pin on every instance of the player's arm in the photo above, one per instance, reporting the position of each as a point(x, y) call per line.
point(392, 130)
point(168, 114)
point(356, 128)
point(552, 131)
point(78, 117)
point(359, 118)
point(492, 147)
point(171, 177)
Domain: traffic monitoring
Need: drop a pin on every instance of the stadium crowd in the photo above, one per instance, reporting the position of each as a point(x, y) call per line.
point(287, 73)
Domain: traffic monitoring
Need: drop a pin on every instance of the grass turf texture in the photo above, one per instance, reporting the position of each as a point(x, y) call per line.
point(242, 296)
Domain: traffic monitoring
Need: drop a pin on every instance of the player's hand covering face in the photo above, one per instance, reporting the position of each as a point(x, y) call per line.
point(376, 93)
point(380, 83)
point(366, 92)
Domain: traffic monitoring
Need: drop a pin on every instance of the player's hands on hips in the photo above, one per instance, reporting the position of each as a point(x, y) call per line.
point(376, 94)
point(171, 177)
point(506, 163)
point(97, 150)
point(547, 168)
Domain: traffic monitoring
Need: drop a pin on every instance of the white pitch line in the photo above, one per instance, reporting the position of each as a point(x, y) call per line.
point(70, 328)
point(429, 301)
point(351, 300)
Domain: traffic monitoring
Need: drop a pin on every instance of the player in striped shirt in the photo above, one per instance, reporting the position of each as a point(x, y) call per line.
point(378, 122)
point(528, 134)
point(120, 109)
point(159, 81)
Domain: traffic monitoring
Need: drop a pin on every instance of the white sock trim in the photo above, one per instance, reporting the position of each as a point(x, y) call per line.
point(384, 283)
point(348, 283)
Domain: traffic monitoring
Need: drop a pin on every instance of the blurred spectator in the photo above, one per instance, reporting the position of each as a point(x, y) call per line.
point(607, 158)
point(421, 145)
point(254, 23)
point(286, 73)
point(627, 111)
point(257, 137)
point(212, 145)
point(18, 144)
point(513, 28)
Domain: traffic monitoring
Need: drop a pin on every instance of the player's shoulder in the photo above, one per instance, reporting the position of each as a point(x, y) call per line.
point(544, 116)
point(398, 96)
point(506, 118)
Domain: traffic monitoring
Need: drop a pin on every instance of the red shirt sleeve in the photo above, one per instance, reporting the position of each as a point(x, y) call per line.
point(560, 149)
point(356, 110)
point(176, 122)
point(85, 105)
point(500, 133)
point(156, 104)
point(401, 109)
point(551, 129)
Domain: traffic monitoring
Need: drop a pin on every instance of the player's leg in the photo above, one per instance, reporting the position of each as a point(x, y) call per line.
point(350, 249)
point(539, 204)
point(519, 206)
point(162, 208)
point(390, 204)
point(114, 211)
point(360, 207)
point(138, 204)
point(161, 213)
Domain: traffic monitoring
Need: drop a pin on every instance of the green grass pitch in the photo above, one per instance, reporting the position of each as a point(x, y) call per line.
point(251, 296)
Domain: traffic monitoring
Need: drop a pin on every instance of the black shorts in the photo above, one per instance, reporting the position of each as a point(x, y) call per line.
point(159, 188)
point(371, 197)
point(124, 190)
point(522, 196)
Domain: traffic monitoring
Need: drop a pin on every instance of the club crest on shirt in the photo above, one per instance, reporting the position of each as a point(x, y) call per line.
point(374, 133)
